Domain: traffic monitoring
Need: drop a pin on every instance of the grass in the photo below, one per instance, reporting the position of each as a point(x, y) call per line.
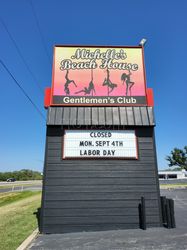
point(17, 218)
point(174, 185)
point(7, 198)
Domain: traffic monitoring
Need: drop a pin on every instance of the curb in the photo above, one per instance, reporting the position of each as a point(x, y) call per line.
point(169, 188)
point(28, 240)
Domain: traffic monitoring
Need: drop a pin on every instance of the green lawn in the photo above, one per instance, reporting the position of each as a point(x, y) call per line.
point(174, 185)
point(17, 220)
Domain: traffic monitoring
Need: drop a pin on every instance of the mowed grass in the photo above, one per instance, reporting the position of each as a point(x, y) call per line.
point(7, 198)
point(174, 185)
point(17, 218)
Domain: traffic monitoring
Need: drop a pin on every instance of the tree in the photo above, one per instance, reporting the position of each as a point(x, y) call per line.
point(22, 175)
point(178, 157)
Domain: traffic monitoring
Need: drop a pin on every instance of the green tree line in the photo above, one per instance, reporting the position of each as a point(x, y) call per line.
point(22, 175)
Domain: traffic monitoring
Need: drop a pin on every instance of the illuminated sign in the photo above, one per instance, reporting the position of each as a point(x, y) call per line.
point(100, 76)
point(99, 144)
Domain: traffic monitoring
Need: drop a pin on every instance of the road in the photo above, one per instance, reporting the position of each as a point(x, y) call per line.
point(20, 186)
point(174, 181)
point(4, 183)
point(135, 239)
point(180, 200)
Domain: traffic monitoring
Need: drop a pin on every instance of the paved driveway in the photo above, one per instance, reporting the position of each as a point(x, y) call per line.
point(151, 239)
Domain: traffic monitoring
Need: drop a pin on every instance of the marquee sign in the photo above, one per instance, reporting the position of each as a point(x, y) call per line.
point(99, 144)
point(100, 76)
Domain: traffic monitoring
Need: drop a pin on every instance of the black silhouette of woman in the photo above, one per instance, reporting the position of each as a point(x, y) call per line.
point(90, 89)
point(126, 78)
point(107, 82)
point(68, 81)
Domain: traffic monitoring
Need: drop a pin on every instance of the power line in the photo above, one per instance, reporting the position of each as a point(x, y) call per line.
point(40, 32)
point(23, 91)
point(22, 57)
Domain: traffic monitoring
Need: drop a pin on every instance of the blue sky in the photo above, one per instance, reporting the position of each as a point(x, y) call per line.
point(119, 22)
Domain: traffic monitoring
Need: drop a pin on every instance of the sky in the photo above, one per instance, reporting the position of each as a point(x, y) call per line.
point(30, 29)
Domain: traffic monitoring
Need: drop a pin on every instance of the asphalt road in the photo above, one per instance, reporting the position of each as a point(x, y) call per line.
point(21, 188)
point(150, 239)
point(5, 183)
point(180, 199)
point(174, 181)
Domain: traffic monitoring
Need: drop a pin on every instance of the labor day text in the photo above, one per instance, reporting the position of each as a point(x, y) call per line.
point(101, 147)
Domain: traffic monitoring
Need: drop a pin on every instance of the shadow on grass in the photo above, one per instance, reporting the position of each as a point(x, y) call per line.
point(37, 213)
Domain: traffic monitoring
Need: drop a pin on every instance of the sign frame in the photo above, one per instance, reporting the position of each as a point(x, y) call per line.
point(102, 157)
point(98, 104)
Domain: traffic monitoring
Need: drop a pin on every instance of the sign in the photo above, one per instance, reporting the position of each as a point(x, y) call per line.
point(99, 144)
point(99, 76)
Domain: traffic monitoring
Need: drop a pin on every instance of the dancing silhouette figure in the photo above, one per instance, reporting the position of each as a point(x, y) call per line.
point(90, 89)
point(68, 81)
point(126, 79)
point(107, 82)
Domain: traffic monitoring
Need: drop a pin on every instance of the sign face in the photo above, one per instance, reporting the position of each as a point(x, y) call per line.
point(100, 76)
point(99, 144)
